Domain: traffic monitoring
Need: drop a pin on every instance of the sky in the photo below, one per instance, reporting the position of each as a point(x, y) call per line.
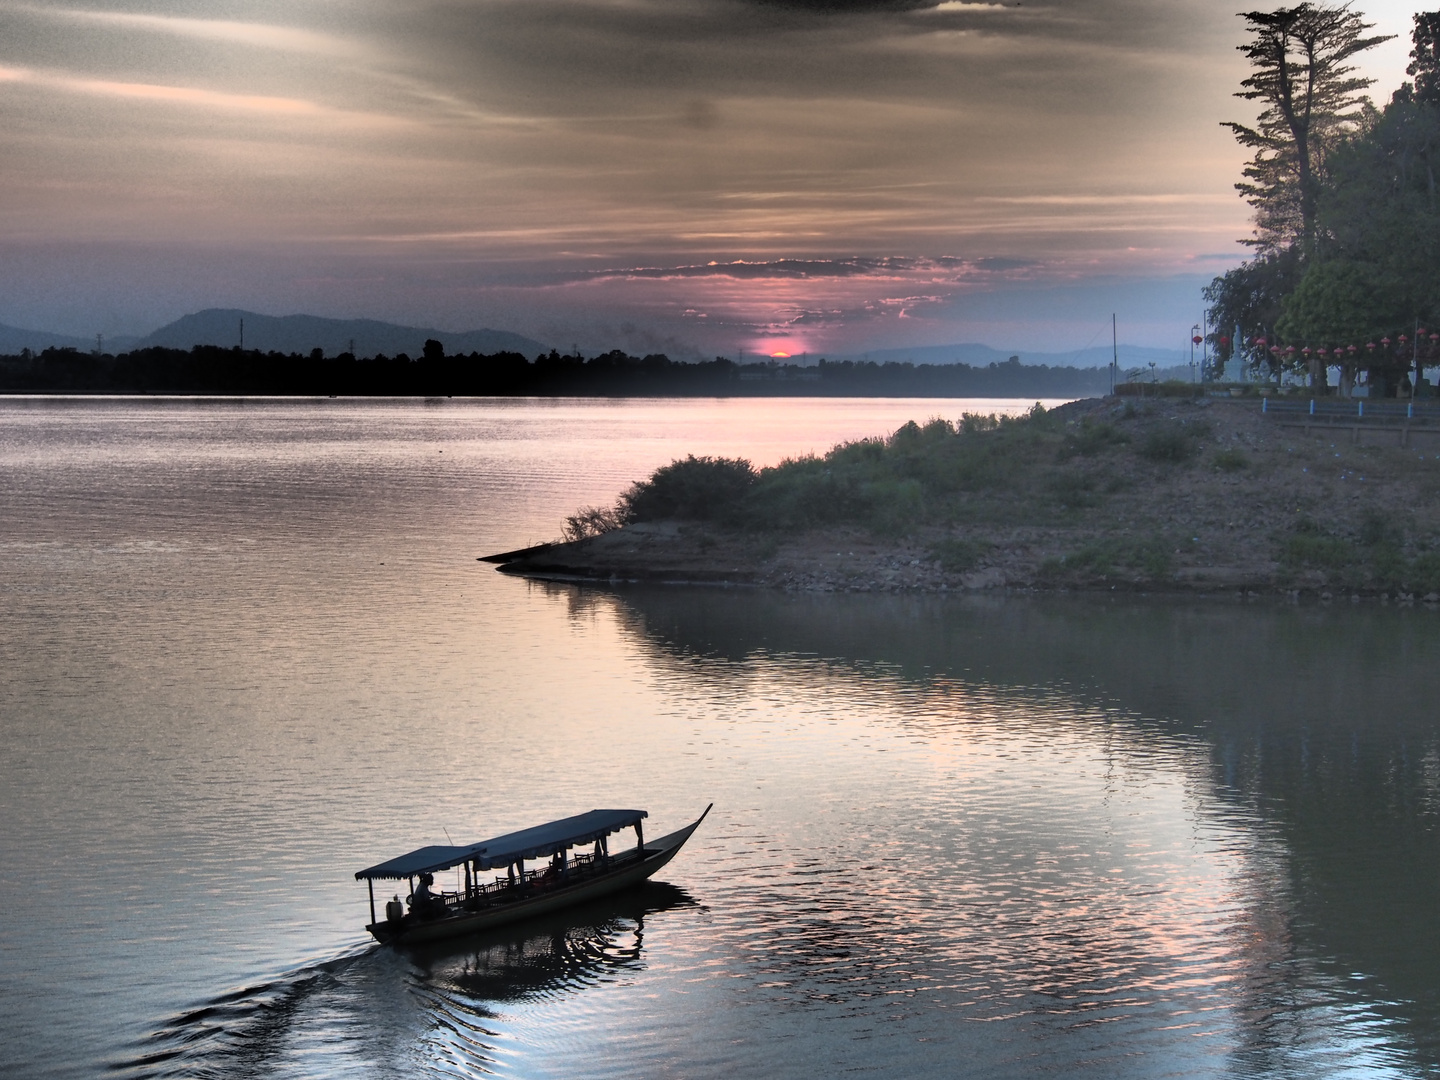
point(698, 177)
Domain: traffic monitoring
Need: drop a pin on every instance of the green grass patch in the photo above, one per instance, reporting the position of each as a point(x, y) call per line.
point(959, 556)
point(1073, 490)
point(1153, 558)
point(1092, 438)
point(1231, 460)
point(1318, 552)
point(1374, 559)
point(1424, 573)
point(1378, 530)
point(1169, 446)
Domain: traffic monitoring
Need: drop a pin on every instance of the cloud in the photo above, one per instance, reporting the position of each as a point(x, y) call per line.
point(755, 164)
point(1001, 264)
point(187, 96)
point(741, 270)
point(948, 268)
point(227, 31)
point(847, 7)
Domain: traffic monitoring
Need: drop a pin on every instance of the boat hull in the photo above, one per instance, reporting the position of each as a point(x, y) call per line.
point(631, 873)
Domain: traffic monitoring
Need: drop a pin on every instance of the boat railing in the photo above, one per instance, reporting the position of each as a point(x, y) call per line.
point(580, 866)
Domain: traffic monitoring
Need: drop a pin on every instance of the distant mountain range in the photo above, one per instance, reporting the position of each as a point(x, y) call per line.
point(302, 333)
point(285, 333)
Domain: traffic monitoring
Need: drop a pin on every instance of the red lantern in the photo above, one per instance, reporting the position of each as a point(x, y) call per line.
point(1351, 349)
point(1197, 339)
point(1306, 351)
point(1321, 351)
point(1260, 341)
point(1224, 341)
point(1370, 345)
point(1385, 341)
point(1403, 339)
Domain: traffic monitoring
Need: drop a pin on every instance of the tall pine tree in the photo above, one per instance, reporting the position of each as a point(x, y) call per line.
point(1311, 98)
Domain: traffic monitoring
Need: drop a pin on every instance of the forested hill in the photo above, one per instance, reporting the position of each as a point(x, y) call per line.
point(211, 370)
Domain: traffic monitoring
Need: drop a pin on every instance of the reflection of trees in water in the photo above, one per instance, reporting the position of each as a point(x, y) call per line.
point(395, 1012)
point(1314, 730)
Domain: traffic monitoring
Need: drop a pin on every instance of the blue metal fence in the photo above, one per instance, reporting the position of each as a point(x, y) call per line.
point(1357, 409)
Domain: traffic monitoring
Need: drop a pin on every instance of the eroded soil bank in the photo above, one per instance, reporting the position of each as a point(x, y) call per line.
point(1202, 495)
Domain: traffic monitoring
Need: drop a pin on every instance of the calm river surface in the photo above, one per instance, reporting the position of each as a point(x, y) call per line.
point(247, 650)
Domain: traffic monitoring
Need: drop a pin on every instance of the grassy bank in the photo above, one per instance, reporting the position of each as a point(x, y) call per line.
point(1169, 494)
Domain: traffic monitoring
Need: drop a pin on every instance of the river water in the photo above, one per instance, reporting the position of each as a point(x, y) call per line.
point(247, 650)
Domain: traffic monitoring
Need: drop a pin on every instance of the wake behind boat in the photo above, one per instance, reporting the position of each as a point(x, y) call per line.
point(570, 878)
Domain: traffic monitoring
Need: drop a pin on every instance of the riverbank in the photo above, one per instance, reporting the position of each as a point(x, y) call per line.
point(1189, 495)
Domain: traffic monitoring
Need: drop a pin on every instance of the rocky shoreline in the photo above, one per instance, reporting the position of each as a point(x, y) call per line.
point(1199, 496)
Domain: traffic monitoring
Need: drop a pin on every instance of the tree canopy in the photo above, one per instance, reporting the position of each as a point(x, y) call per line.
point(1347, 221)
point(1425, 58)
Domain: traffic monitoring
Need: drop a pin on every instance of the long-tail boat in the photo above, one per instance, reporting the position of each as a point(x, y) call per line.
point(570, 877)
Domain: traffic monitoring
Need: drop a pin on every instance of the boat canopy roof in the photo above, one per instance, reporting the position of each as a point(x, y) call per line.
point(533, 843)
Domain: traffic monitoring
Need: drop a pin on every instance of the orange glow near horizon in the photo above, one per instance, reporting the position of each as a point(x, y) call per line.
point(779, 356)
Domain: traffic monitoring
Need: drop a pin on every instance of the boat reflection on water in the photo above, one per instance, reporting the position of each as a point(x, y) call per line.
point(563, 953)
point(401, 1006)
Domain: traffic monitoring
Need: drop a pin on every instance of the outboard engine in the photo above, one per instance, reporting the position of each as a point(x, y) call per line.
point(394, 910)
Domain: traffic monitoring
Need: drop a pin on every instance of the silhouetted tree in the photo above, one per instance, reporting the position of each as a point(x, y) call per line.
point(1311, 99)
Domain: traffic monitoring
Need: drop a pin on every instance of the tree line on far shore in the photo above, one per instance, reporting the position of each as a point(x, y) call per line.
point(1346, 265)
point(214, 370)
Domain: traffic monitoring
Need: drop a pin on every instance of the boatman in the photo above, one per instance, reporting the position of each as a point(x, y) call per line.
point(423, 903)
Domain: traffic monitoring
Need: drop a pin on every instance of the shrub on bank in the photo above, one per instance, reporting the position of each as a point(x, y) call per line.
point(695, 489)
point(1374, 558)
point(1168, 445)
point(923, 473)
point(1091, 439)
point(591, 521)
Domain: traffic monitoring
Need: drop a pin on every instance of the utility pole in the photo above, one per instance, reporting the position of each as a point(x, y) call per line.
point(242, 335)
point(99, 344)
point(1114, 353)
point(1204, 340)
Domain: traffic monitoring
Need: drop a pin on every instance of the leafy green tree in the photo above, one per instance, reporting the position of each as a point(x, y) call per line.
point(1377, 266)
point(1341, 302)
point(1251, 296)
point(1383, 208)
point(1425, 58)
point(1311, 98)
